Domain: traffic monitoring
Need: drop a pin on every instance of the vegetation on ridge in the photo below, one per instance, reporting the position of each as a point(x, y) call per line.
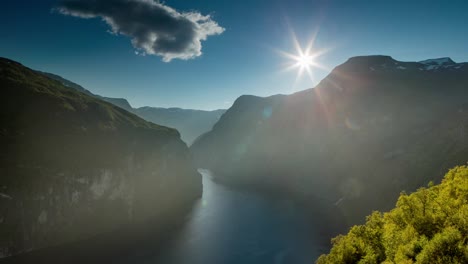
point(21, 83)
point(427, 226)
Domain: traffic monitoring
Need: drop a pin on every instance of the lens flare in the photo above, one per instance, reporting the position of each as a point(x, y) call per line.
point(304, 59)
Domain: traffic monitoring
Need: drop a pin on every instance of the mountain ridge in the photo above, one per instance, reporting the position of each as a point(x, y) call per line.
point(191, 123)
point(364, 123)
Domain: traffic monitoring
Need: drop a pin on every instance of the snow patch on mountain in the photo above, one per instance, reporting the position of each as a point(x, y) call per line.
point(439, 61)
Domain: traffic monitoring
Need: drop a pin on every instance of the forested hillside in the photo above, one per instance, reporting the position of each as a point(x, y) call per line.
point(427, 226)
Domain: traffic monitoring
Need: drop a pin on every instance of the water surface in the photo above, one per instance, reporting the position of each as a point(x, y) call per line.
point(232, 226)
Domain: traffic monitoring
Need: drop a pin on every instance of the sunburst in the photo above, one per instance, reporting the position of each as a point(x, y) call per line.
point(304, 59)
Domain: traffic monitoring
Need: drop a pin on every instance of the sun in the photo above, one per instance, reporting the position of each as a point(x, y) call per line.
point(304, 60)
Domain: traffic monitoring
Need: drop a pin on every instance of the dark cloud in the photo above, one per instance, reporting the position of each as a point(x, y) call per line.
point(154, 28)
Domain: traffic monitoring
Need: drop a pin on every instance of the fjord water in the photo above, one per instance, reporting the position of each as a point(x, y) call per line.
point(225, 226)
point(231, 226)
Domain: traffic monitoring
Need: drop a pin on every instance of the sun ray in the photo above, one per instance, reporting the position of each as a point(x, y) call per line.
point(304, 59)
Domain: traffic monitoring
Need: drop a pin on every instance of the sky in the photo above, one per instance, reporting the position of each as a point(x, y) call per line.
point(206, 53)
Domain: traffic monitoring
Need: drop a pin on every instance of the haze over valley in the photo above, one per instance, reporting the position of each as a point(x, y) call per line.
point(140, 131)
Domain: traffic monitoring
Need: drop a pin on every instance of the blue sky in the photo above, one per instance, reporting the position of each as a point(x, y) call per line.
point(241, 60)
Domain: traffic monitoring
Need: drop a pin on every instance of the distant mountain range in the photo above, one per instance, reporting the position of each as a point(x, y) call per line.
point(373, 127)
point(74, 167)
point(190, 123)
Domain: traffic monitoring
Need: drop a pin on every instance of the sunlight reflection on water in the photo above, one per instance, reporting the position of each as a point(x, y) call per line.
point(229, 226)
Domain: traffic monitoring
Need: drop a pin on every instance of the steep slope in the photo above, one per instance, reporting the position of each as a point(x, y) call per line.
point(73, 166)
point(190, 123)
point(120, 102)
point(66, 82)
point(372, 128)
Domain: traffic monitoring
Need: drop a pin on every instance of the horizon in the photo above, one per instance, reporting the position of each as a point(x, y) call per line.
point(265, 96)
point(86, 52)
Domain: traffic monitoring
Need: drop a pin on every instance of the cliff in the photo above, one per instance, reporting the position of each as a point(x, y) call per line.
point(73, 166)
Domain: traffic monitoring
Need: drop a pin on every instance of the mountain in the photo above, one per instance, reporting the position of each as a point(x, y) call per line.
point(372, 128)
point(73, 166)
point(190, 123)
point(66, 82)
point(120, 102)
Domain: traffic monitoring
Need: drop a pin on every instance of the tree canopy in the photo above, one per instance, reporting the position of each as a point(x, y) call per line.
point(427, 226)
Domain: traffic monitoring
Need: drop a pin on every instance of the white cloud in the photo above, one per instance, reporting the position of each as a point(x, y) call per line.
point(154, 28)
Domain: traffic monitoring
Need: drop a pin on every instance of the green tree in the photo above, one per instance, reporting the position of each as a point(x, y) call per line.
point(427, 226)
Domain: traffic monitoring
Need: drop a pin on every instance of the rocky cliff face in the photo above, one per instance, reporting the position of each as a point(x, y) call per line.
point(73, 166)
point(371, 129)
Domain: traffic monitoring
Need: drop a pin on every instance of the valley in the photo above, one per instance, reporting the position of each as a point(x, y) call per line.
point(289, 172)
